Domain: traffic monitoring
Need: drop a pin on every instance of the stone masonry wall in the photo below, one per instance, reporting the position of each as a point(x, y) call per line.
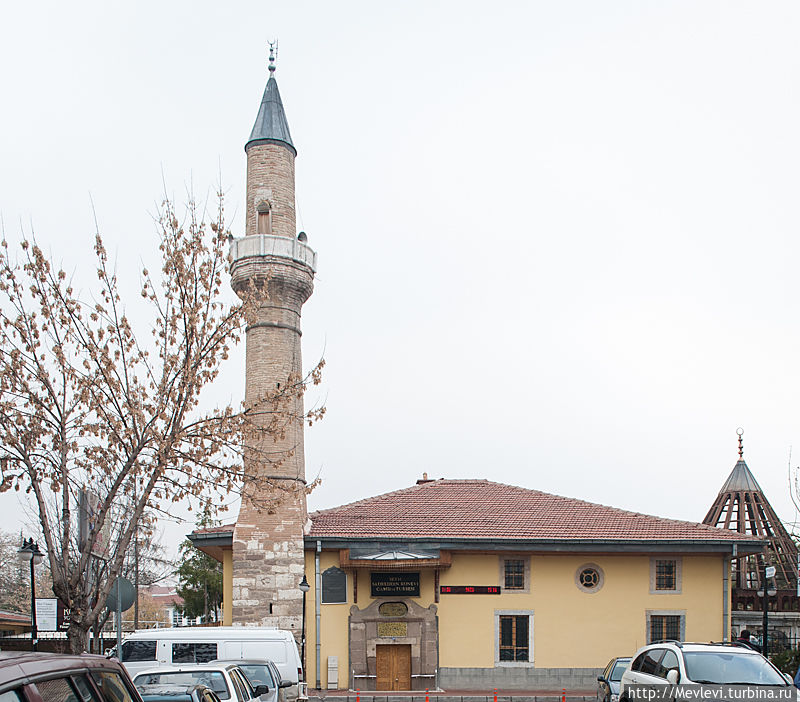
point(270, 176)
point(268, 558)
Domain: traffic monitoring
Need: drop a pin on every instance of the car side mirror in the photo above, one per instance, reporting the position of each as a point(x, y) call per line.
point(673, 676)
point(285, 683)
point(600, 678)
point(261, 690)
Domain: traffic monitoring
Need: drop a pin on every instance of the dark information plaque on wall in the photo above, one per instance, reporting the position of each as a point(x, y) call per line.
point(394, 584)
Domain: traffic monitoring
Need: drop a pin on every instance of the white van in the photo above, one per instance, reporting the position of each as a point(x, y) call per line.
point(150, 648)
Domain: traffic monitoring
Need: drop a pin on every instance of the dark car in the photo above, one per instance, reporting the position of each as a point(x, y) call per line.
point(608, 681)
point(25, 677)
point(178, 693)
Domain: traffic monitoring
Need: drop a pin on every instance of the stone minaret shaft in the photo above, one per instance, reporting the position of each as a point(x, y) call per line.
point(268, 542)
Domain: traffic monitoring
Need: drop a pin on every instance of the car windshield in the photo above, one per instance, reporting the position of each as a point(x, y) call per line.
point(721, 668)
point(258, 674)
point(619, 668)
point(162, 693)
point(211, 678)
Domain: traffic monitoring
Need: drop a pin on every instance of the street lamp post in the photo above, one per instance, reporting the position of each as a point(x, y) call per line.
point(29, 551)
point(304, 588)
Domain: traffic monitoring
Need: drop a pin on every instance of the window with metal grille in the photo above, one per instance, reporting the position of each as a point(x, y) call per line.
point(666, 575)
point(514, 571)
point(665, 627)
point(514, 640)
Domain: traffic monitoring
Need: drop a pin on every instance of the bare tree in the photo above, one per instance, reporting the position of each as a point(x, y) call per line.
point(15, 592)
point(91, 404)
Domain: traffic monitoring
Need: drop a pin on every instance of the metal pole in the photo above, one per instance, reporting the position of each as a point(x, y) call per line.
point(318, 614)
point(303, 637)
point(765, 608)
point(34, 630)
point(119, 620)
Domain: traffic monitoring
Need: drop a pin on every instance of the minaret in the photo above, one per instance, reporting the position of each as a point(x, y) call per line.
point(268, 544)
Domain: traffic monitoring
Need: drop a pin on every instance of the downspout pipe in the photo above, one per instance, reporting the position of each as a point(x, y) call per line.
point(726, 591)
point(318, 613)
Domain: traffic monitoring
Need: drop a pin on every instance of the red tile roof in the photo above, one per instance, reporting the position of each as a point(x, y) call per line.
point(481, 509)
point(7, 617)
point(165, 595)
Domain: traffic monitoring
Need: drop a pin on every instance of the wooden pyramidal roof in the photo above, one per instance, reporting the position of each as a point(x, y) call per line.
point(742, 506)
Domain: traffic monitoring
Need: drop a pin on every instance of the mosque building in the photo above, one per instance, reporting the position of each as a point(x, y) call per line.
point(458, 584)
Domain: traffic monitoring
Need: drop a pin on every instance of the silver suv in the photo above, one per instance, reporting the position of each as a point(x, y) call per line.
point(674, 663)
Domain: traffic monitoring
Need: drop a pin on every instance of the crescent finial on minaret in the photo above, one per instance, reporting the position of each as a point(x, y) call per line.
point(273, 49)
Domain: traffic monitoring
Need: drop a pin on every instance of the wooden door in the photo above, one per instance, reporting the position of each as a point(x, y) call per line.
point(393, 666)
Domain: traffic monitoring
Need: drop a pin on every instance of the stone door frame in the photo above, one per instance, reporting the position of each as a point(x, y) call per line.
point(421, 632)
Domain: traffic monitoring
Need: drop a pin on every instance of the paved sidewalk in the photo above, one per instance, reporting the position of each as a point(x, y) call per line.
point(454, 696)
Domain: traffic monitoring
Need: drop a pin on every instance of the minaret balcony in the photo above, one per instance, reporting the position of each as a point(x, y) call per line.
point(273, 246)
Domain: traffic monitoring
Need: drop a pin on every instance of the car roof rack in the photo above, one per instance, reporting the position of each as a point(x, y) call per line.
point(681, 644)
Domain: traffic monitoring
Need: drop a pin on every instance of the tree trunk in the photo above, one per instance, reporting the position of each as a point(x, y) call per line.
point(78, 637)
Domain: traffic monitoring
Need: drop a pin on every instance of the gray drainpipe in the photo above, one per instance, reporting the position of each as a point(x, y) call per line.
point(318, 611)
point(726, 571)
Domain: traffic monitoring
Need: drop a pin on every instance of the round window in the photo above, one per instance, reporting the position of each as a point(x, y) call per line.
point(589, 577)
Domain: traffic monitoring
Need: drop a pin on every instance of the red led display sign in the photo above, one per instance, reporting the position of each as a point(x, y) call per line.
point(469, 589)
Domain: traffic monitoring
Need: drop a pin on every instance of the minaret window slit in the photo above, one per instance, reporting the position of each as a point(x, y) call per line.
point(264, 223)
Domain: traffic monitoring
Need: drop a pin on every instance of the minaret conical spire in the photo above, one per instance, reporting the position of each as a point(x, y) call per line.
point(271, 125)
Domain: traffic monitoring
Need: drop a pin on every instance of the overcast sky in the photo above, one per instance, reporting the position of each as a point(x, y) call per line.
point(557, 240)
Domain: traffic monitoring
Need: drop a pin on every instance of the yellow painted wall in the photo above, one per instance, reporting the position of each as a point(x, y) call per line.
point(572, 628)
point(335, 633)
point(227, 587)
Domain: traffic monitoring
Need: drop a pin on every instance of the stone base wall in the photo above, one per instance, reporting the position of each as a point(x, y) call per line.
point(268, 565)
point(518, 678)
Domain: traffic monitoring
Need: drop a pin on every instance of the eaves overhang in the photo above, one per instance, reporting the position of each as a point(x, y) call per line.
point(743, 547)
point(212, 543)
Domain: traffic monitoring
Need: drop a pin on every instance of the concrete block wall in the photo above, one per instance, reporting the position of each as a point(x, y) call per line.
point(518, 678)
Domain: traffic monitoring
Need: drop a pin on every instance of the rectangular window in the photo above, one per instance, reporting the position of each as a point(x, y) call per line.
point(265, 223)
point(514, 574)
point(56, 690)
point(194, 652)
point(666, 625)
point(138, 651)
point(514, 639)
point(665, 575)
point(112, 686)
